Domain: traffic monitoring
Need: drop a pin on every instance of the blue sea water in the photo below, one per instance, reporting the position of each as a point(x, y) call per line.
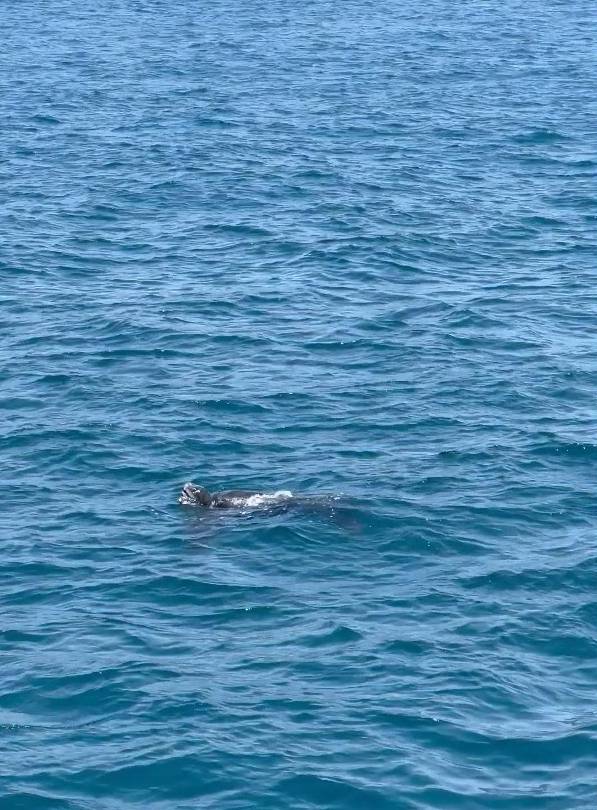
point(346, 249)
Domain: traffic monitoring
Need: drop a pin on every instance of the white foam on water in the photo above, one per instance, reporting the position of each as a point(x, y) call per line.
point(263, 499)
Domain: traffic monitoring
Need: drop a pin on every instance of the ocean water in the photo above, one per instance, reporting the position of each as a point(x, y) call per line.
point(342, 249)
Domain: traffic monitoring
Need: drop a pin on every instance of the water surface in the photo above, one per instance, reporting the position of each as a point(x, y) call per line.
point(342, 249)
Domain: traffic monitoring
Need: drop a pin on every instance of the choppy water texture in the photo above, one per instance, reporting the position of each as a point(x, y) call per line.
point(342, 249)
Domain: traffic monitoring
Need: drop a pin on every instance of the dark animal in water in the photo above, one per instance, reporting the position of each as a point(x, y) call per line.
point(194, 495)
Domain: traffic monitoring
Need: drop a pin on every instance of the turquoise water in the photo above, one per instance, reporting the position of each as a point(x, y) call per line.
point(346, 249)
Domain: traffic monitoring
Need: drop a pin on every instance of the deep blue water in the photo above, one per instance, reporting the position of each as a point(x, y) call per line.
point(346, 249)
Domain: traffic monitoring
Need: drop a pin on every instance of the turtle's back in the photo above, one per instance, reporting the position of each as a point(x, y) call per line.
point(231, 497)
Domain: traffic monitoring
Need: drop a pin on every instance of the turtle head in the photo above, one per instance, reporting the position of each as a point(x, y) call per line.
point(193, 495)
